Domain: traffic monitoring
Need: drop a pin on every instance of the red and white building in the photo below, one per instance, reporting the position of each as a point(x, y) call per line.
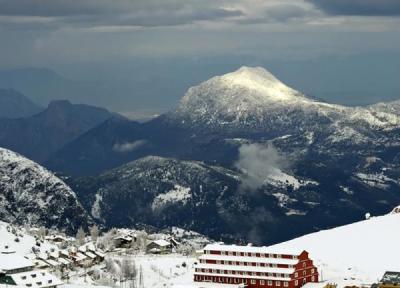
point(255, 267)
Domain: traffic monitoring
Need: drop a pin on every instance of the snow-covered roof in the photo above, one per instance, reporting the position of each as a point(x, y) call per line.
point(87, 247)
point(13, 261)
point(161, 243)
point(90, 255)
point(79, 257)
point(253, 249)
point(52, 263)
point(99, 253)
point(36, 279)
point(268, 260)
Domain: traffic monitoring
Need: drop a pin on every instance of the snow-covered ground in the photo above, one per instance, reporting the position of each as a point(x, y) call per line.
point(25, 242)
point(359, 252)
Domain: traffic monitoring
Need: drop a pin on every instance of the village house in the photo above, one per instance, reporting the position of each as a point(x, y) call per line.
point(18, 271)
point(390, 280)
point(159, 247)
point(125, 240)
point(255, 267)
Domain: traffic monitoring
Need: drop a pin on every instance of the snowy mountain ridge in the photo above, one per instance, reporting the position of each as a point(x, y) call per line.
point(34, 196)
point(250, 96)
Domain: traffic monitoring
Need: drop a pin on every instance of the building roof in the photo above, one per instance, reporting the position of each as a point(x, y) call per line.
point(35, 279)
point(252, 249)
point(161, 243)
point(90, 255)
point(391, 277)
point(13, 261)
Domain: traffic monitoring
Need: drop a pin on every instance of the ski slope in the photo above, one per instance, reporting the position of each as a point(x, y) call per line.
point(359, 253)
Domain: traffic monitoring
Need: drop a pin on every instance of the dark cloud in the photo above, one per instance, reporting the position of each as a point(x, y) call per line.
point(115, 13)
point(359, 7)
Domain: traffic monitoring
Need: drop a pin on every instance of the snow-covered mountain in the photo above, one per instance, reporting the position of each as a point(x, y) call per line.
point(360, 252)
point(337, 162)
point(32, 195)
point(252, 98)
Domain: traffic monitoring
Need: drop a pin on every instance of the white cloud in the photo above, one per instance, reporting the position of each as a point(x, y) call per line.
point(257, 162)
point(128, 146)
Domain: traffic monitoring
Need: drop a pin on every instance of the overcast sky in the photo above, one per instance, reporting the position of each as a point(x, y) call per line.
point(72, 36)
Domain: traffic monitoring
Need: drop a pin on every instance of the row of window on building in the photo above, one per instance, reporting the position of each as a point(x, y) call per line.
point(242, 263)
point(248, 254)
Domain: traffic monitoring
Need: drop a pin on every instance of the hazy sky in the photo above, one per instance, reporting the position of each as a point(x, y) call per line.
point(340, 50)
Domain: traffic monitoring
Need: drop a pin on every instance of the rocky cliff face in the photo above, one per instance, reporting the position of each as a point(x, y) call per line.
point(32, 195)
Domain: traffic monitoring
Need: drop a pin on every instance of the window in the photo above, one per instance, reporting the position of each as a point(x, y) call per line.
point(304, 264)
point(262, 282)
point(312, 279)
point(253, 281)
point(23, 277)
point(29, 285)
point(278, 283)
point(50, 281)
point(286, 284)
point(312, 271)
point(296, 274)
point(269, 283)
point(33, 275)
point(296, 283)
point(304, 273)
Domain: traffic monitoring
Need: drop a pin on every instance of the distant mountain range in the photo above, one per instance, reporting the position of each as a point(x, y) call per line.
point(16, 105)
point(242, 157)
point(42, 134)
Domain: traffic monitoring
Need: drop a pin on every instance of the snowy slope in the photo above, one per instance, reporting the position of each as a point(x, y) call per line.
point(32, 195)
point(25, 241)
point(360, 252)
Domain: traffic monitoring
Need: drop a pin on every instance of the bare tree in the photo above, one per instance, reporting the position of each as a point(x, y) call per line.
point(94, 233)
point(80, 236)
point(128, 268)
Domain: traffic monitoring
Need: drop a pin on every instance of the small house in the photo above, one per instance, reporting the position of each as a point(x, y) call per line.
point(124, 241)
point(159, 247)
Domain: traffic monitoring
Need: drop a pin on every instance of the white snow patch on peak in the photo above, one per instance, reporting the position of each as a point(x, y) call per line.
point(254, 85)
point(260, 80)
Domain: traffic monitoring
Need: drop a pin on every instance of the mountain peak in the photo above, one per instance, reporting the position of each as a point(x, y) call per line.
point(259, 80)
point(253, 73)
